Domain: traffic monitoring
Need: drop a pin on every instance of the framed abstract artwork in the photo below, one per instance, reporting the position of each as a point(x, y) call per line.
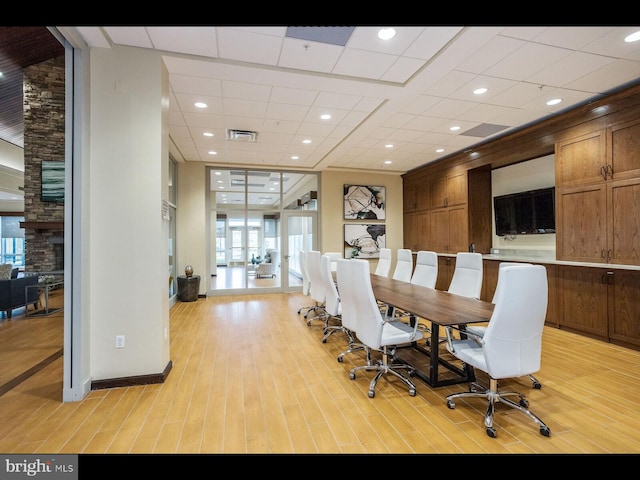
point(52, 181)
point(364, 241)
point(364, 202)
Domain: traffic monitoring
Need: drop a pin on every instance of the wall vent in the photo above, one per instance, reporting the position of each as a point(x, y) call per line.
point(242, 135)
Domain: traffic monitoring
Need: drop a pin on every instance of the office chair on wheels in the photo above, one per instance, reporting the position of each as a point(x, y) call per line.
point(512, 343)
point(478, 330)
point(376, 331)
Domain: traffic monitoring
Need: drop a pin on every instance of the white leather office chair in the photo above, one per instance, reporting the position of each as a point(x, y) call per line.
point(348, 310)
point(332, 304)
point(316, 290)
point(512, 343)
point(384, 263)
point(334, 256)
point(404, 265)
point(426, 270)
point(478, 330)
point(467, 276)
point(306, 284)
point(374, 330)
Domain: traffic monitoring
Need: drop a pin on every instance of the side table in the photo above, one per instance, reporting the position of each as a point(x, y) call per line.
point(188, 288)
point(44, 288)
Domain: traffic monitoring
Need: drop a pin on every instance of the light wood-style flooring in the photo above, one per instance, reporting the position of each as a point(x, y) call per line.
point(249, 376)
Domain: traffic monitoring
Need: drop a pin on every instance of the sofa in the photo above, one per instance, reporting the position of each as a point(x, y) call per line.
point(12, 294)
point(269, 268)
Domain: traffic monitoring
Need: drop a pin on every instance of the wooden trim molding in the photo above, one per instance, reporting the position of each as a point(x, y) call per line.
point(132, 381)
point(42, 225)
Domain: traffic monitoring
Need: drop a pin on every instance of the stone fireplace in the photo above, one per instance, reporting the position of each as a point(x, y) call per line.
point(44, 124)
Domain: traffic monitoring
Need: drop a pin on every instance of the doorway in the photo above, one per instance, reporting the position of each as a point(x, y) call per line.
point(250, 246)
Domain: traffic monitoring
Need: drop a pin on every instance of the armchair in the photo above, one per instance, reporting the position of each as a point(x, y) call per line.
point(269, 269)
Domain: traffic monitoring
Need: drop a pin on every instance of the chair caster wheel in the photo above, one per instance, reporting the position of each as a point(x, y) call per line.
point(372, 394)
point(352, 376)
point(324, 340)
point(412, 373)
point(537, 385)
point(340, 360)
point(545, 431)
point(491, 432)
point(451, 404)
point(523, 403)
point(412, 392)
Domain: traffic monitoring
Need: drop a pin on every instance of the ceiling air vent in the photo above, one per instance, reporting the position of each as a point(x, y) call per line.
point(242, 136)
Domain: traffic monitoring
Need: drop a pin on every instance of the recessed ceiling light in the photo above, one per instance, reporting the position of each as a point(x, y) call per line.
point(200, 105)
point(208, 134)
point(389, 145)
point(1, 74)
point(218, 173)
point(439, 150)
point(454, 128)
point(306, 141)
point(325, 116)
point(480, 91)
point(386, 33)
point(213, 152)
point(294, 157)
point(634, 37)
point(555, 101)
point(388, 162)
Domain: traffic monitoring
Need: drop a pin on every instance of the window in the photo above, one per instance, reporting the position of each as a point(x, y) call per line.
point(12, 241)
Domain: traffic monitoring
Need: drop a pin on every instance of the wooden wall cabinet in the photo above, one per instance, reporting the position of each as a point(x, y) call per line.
point(417, 231)
point(599, 302)
point(598, 196)
point(583, 295)
point(449, 230)
point(448, 189)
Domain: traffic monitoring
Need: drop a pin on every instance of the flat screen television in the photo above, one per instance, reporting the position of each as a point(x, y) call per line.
point(526, 213)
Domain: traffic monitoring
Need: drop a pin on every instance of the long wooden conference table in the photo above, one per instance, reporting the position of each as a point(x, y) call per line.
point(440, 308)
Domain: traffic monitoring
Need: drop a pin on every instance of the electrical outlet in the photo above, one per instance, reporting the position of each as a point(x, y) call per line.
point(119, 341)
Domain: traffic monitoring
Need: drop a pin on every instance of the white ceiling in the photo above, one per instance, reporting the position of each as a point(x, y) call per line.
point(407, 92)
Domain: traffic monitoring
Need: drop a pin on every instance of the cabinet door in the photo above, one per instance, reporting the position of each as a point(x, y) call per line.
point(624, 306)
point(423, 231)
point(581, 226)
point(583, 300)
point(409, 230)
point(409, 197)
point(623, 227)
point(446, 266)
point(581, 160)
point(440, 230)
point(489, 279)
point(457, 189)
point(448, 189)
point(625, 150)
point(458, 229)
point(438, 191)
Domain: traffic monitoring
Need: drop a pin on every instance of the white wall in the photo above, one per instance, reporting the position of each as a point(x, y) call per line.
point(127, 236)
point(529, 175)
point(192, 222)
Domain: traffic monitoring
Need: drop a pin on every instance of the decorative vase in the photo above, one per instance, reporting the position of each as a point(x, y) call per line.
point(188, 270)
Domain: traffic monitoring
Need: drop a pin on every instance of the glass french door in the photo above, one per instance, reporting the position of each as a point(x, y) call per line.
point(254, 211)
point(300, 233)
